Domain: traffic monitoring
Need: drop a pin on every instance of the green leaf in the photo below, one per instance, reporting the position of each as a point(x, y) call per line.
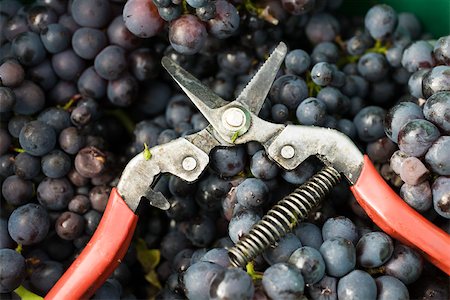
point(26, 294)
point(147, 153)
point(149, 258)
point(153, 279)
point(19, 248)
point(255, 275)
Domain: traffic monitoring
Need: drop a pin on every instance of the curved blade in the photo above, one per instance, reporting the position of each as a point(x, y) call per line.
point(256, 90)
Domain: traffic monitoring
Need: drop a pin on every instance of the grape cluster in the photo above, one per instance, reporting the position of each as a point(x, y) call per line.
point(82, 92)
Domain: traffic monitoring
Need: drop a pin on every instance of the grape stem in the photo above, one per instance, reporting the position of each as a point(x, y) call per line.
point(262, 13)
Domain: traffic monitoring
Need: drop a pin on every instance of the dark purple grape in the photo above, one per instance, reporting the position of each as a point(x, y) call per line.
point(90, 162)
point(380, 21)
point(398, 116)
point(88, 42)
point(389, 287)
point(91, 13)
point(232, 283)
point(417, 136)
point(418, 56)
point(56, 164)
point(284, 248)
point(17, 191)
point(415, 83)
point(5, 239)
point(441, 50)
point(67, 21)
point(241, 223)
point(441, 196)
point(111, 289)
point(300, 174)
point(110, 62)
point(206, 12)
point(359, 43)
point(309, 234)
point(28, 48)
point(228, 161)
point(7, 99)
point(252, 192)
point(436, 80)
point(413, 171)
point(369, 123)
point(297, 61)
point(90, 84)
point(357, 285)
point(170, 13)
point(411, 23)
point(11, 74)
point(438, 156)
point(98, 196)
point(27, 166)
point(69, 225)
point(144, 64)
point(54, 194)
point(79, 204)
point(92, 219)
point(119, 34)
point(198, 278)
point(373, 66)
point(324, 74)
point(45, 276)
point(298, 7)
point(374, 249)
point(10, 7)
point(279, 113)
point(71, 140)
point(226, 20)
point(141, 17)
point(340, 227)
point(289, 90)
point(87, 110)
point(381, 150)
point(39, 17)
point(30, 98)
point(44, 75)
point(262, 167)
point(62, 92)
point(68, 65)
point(311, 111)
point(405, 264)
point(437, 110)
point(339, 255)
point(335, 101)
point(7, 165)
point(197, 3)
point(310, 262)
point(322, 27)
point(123, 90)
point(325, 289)
point(55, 117)
point(29, 224)
point(12, 270)
point(417, 196)
point(37, 138)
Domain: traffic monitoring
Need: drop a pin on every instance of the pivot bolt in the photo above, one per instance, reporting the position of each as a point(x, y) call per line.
point(233, 117)
point(189, 163)
point(287, 152)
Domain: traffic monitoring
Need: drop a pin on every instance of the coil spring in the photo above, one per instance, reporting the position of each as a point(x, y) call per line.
point(284, 216)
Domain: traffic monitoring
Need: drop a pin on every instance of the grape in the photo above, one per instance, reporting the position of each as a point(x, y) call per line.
point(90, 84)
point(12, 270)
point(438, 157)
point(415, 83)
point(234, 61)
point(181, 188)
point(381, 150)
point(298, 7)
point(171, 13)
point(123, 90)
point(262, 167)
point(54, 194)
point(311, 111)
point(325, 289)
point(206, 12)
point(284, 281)
point(322, 27)
point(241, 223)
point(92, 219)
point(28, 48)
point(289, 90)
point(119, 34)
point(11, 74)
point(57, 118)
point(380, 21)
point(37, 138)
point(71, 140)
point(141, 17)
point(297, 61)
point(309, 235)
point(6, 141)
point(28, 224)
point(417, 196)
point(39, 17)
point(17, 191)
point(335, 101)
point(340, 227)
point(6, 165)
point(310, 262)
point(358, 44)
point(441, 196)
point(369, 123)
point(398, 116)
point(95, 13)
point(373, 66)
point(201, 231)
point(300, 174)
point(211, 191)
point(110, 62)
point(198, 279)
point(88, 42)
point(411, 23)
point(357, 285)
point(5, 239)
point(252, 192)
point(390, 287)
point(413, 171)
point(231, 284)
point(339, 256)
point(374, 249)
point(436, 80)
point(30, 98)
point(218, 256)
point(283, 250)
point(436, 108)
point(90, 162)
point(225, 22)
point(79, 204)
point(405, 264)
point(111, 289)
point(228, 161)
point(143, 64)
point(417, 136)
point(45, 276)
point(44, 75)
point(441, 50)
point(418, 56)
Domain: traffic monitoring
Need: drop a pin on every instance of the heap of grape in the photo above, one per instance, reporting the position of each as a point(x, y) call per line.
point(82, 92)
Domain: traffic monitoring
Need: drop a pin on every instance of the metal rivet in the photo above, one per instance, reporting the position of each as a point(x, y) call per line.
point(234, 117)
point(189, 163)
point(287, 152)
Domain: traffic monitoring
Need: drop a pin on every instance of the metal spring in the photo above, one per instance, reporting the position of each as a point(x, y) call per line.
point(284, 216)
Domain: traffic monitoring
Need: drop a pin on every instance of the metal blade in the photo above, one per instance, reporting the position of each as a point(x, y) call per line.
point(256, 90)
point(202, 97)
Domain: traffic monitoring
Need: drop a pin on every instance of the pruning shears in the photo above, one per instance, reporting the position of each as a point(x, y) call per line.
point(233, 123)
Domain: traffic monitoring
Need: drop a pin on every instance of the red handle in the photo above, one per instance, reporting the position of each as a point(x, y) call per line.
point(398, 219)
point(102, 254)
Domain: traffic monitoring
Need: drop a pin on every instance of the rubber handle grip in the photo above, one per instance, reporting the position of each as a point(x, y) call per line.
point(102, 254)
point(395, 217)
